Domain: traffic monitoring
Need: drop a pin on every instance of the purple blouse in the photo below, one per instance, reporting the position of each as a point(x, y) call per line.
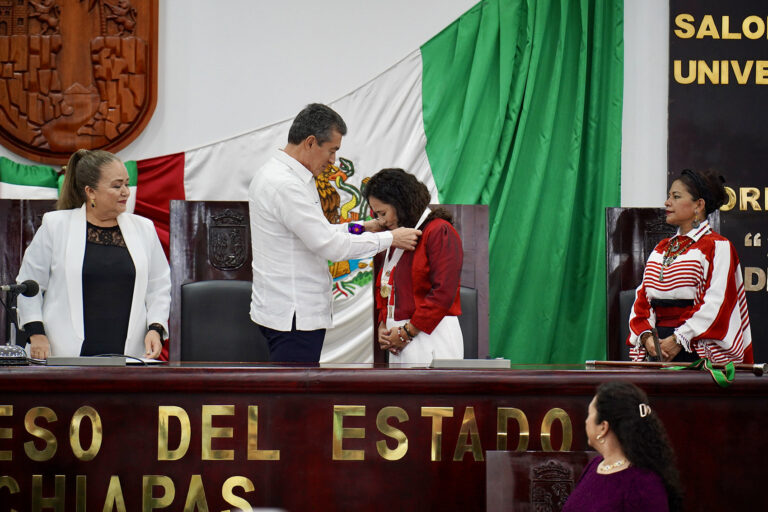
point(632, 489)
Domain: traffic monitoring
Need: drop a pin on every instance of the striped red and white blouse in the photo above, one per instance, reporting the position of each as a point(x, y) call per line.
point(716, 325)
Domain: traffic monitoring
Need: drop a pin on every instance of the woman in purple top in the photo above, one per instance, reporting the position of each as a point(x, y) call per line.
point(636, 467)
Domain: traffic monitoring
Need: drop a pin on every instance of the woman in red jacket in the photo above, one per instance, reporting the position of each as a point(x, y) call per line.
point(417, 293)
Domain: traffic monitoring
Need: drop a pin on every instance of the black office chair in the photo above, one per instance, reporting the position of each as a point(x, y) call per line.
point(468, 321)
point(216, 325)
point(626, 300)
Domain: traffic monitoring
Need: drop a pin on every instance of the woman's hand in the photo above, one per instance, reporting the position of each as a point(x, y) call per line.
point(383, 336)
point(41, 347)
point(647, 341)
point(153, 345)
point(394, 343)
point(669, 348)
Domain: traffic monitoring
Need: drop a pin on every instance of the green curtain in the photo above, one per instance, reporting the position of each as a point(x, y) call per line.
point(522, 105)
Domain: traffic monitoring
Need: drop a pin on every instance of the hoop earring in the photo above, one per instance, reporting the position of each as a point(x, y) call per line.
point(93, 203)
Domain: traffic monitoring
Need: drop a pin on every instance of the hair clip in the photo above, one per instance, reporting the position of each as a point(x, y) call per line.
point(645, 410)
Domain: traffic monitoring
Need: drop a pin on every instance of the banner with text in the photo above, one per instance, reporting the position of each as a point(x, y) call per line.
point(718, 87)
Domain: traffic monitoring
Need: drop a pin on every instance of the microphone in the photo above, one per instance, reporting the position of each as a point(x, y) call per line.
point(28, 288)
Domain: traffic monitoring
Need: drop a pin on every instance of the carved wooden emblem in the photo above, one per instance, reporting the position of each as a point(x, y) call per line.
point(551, 484)
point(75, 74)
point(228, 240)
point(656, 230)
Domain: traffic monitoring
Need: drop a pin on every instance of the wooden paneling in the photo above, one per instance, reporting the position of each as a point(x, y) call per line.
point(715, 432)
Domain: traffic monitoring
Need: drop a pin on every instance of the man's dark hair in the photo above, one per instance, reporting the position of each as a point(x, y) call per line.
point(318, 120)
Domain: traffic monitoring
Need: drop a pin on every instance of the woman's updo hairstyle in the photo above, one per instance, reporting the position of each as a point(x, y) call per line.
point(82, 170)
point(705, 185)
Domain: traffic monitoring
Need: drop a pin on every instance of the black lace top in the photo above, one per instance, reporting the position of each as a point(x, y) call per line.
point(108, 280)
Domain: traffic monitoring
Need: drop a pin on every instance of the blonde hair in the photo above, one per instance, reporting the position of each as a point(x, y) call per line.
point(82, 170)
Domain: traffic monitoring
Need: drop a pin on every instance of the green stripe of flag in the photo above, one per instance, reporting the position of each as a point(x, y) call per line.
point(522, 111)
point(29, 175)
point(133, 172)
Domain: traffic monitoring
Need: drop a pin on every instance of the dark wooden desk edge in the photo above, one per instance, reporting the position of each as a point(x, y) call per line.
point(169, 379)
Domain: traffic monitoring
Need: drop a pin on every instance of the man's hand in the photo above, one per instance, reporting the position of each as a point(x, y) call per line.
point(405, 238)
point(373, 226)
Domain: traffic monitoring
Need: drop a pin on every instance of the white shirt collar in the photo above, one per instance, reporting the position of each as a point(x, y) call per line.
point(698, 232)
point(295, 166)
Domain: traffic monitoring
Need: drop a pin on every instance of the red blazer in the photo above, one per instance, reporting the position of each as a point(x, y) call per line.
point(427, 280)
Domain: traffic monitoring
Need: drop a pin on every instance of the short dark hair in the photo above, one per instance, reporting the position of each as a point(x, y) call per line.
point(705, 185)
point(642, 438)
point(318, 120)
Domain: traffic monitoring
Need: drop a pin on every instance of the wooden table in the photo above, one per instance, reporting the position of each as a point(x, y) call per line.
point(338, 438)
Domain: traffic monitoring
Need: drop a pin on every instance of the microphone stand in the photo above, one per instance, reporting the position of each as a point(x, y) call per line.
point(10, 353)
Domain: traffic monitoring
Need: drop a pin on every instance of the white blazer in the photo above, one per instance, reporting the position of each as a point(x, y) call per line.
point(55, 260)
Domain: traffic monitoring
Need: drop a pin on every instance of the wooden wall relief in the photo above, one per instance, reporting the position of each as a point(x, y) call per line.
point(75, 74)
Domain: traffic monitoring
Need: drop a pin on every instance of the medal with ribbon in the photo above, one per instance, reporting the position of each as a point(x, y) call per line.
point(387, 283)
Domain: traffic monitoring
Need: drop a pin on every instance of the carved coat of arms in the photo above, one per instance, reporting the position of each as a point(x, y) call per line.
point(228, 240)
point(75, 74)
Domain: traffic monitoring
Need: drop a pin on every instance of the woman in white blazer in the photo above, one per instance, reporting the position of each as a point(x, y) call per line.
point(104, 279)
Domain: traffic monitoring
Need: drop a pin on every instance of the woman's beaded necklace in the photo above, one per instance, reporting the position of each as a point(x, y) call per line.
point(674, 250)
point(605, 468)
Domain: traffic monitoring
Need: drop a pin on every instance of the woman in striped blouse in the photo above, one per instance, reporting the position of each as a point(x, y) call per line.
point(692, 290)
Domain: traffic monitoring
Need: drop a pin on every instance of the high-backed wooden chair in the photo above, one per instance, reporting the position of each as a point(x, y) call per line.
point(630, 236)
point(531, 481)
point(19, 219)
point(210, 241)
point(471, 222)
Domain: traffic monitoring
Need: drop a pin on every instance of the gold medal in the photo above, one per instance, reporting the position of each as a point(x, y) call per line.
point(385, 290)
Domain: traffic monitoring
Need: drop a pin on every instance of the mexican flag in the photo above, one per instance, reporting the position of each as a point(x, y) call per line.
point(517, 105)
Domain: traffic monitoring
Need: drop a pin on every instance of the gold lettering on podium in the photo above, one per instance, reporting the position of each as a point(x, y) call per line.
point(227, 492)
point(546, 429)
point(468, 429)
point(437, 414)
point(114, 499)
point(165, 413)
point(210, 432)
point(340, 433)
point(253, 438)
point(56, 502)
point(398, 435)
point(96, 433)
point(50, 440)
point(503, 415)
point(196, 495)
point(80, 488)
point(11, 484)
point(148, 501)
point(6, 433)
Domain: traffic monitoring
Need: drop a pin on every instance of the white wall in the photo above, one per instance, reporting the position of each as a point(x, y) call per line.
point(644, 132)
point(230, 66)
